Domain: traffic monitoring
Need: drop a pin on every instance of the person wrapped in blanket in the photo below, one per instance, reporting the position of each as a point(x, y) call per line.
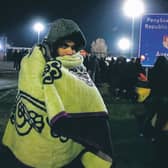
point(60, 119)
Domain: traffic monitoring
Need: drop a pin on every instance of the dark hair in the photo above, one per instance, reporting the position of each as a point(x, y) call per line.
point(62, 41)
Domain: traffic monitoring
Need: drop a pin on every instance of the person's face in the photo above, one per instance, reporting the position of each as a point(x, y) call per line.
point(165, 42)
point(67, 48)
point(166, 39)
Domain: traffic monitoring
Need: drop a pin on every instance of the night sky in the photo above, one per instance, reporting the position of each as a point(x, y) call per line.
point(97, 18)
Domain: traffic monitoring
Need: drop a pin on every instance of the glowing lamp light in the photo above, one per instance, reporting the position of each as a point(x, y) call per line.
point(142, 58)
point(38, 27)
point(1, 47)
point(124, 44)
point(115, 58)
point(128, 60)
point(134, 8)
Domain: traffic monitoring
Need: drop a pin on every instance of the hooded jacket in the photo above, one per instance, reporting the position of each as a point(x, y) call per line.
point(63, 29)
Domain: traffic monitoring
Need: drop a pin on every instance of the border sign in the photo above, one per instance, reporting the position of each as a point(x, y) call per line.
point(153, 38)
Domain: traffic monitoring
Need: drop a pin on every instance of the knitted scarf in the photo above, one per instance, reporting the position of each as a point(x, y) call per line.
point(71, 61)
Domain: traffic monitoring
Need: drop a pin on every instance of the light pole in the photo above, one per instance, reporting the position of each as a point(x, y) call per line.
point(38, 27)
point(133, 9)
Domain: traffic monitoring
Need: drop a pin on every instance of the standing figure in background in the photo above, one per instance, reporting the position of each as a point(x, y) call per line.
point(93, 67)
point(156, 107)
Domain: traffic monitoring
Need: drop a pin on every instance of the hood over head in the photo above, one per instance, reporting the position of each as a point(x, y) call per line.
point(65, 29)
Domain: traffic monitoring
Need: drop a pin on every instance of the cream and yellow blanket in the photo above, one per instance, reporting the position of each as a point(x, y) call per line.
point(59, 112)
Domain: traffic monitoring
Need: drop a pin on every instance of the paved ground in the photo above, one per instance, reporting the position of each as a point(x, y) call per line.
point(6, 65)
point(7, 84)
point(8, 75)
point(8, 89)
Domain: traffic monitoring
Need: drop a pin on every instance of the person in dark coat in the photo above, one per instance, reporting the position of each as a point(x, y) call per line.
point(156, 106)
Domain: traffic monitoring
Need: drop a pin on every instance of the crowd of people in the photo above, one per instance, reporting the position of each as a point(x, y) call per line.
point(123, 78)
point(118, 72)
point(16, 56)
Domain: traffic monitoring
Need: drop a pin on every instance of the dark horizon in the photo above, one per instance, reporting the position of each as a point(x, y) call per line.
point(97, 19)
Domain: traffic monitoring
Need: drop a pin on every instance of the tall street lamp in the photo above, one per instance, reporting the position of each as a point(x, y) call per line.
point(133, 9)
point(38, 27)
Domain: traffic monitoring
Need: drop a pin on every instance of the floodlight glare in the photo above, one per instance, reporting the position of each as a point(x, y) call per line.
point(124, 44)
point(128, 60)
point(1, 47)
point(38, 27)
point(134, 8)
point(142, 58)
